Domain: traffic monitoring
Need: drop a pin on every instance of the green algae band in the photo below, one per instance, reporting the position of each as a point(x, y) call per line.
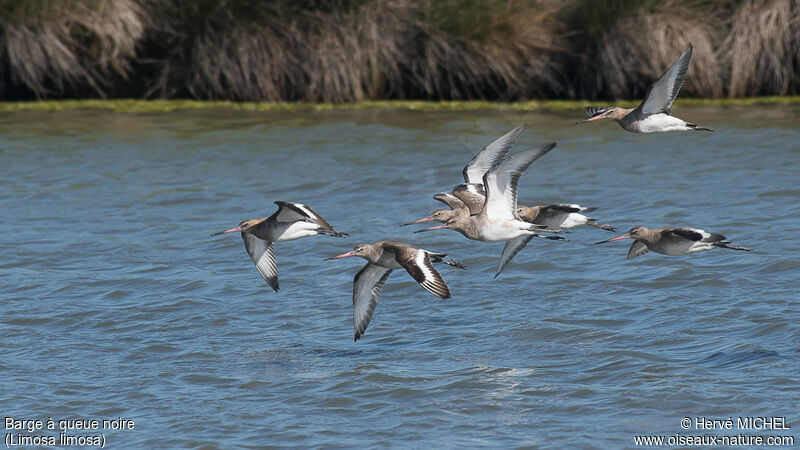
point(155, 106)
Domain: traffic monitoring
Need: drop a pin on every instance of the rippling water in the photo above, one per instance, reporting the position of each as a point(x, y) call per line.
point(117, 303)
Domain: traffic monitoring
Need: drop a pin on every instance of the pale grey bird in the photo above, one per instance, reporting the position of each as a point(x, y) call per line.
point(291, 221)
point(560, 216)
point(498, 220)
point(383, 257)
point(672, 241)
point(654, 113)
point(468, 198)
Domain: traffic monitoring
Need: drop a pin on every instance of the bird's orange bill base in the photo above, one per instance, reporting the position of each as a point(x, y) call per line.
point(592, 119)
point(343, 255)
point(624, 236)
point(227, 231)
point(437, 227)
point(424, 219)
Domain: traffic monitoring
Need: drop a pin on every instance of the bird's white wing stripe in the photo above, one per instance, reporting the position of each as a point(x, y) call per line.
point(420, 261)
point(433, 281)
point(309, 213)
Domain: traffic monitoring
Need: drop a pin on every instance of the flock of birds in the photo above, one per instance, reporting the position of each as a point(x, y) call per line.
point(484, 208)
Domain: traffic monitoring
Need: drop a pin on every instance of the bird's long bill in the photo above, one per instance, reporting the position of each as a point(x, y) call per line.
point(592, 119)
point(624, 236)
point(343, 255)
point(437, 227)
point(424, 219)
point(227, 231)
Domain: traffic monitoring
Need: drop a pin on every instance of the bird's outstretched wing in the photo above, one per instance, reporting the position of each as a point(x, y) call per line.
point(568, 208)
point(690, 234)
point(637, 249)
point(502, 179)
point(367, 287)
point(418, 264)
point(512, 247)
point(263, 256)
point(593, 111)
point(665, 89)
point(489, 155)
point(449, 199)
point(472, 195)
point(293, 212)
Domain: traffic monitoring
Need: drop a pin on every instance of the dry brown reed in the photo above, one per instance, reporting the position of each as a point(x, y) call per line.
point(373, 50)
point(513, 56)
point(762, 50)
point(637, 49)
point(352, 50)
point(50, 46)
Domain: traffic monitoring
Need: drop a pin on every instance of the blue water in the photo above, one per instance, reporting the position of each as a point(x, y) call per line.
point(118, 303)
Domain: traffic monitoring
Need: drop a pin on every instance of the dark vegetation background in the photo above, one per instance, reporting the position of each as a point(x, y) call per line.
point(351, 50)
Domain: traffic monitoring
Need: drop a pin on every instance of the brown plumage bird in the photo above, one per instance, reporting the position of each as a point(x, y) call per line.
point(383, 257)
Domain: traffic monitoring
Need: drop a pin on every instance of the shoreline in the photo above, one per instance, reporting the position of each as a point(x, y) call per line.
point(158, 106)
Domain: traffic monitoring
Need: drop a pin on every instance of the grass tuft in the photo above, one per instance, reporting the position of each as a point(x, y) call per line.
point(762, 50)
point(68, 47)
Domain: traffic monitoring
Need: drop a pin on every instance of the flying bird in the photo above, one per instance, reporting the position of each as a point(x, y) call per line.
point(291, 221)
point(672, 241)
point(498, 220)
point(383, 257)
point(560, 216)
point(654, 113)
point(467, 198)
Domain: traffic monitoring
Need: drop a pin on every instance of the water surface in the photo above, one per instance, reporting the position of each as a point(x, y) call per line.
point(117, 303)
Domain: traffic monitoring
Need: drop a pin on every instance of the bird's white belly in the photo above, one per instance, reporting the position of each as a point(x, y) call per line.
point(700, 246)
point(682, 248)
point(496, 231)
point(288, 231)
point(572, 220)
point(661, 122)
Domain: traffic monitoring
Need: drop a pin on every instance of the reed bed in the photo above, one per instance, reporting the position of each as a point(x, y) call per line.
point(341, 51)
point(76, 47)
